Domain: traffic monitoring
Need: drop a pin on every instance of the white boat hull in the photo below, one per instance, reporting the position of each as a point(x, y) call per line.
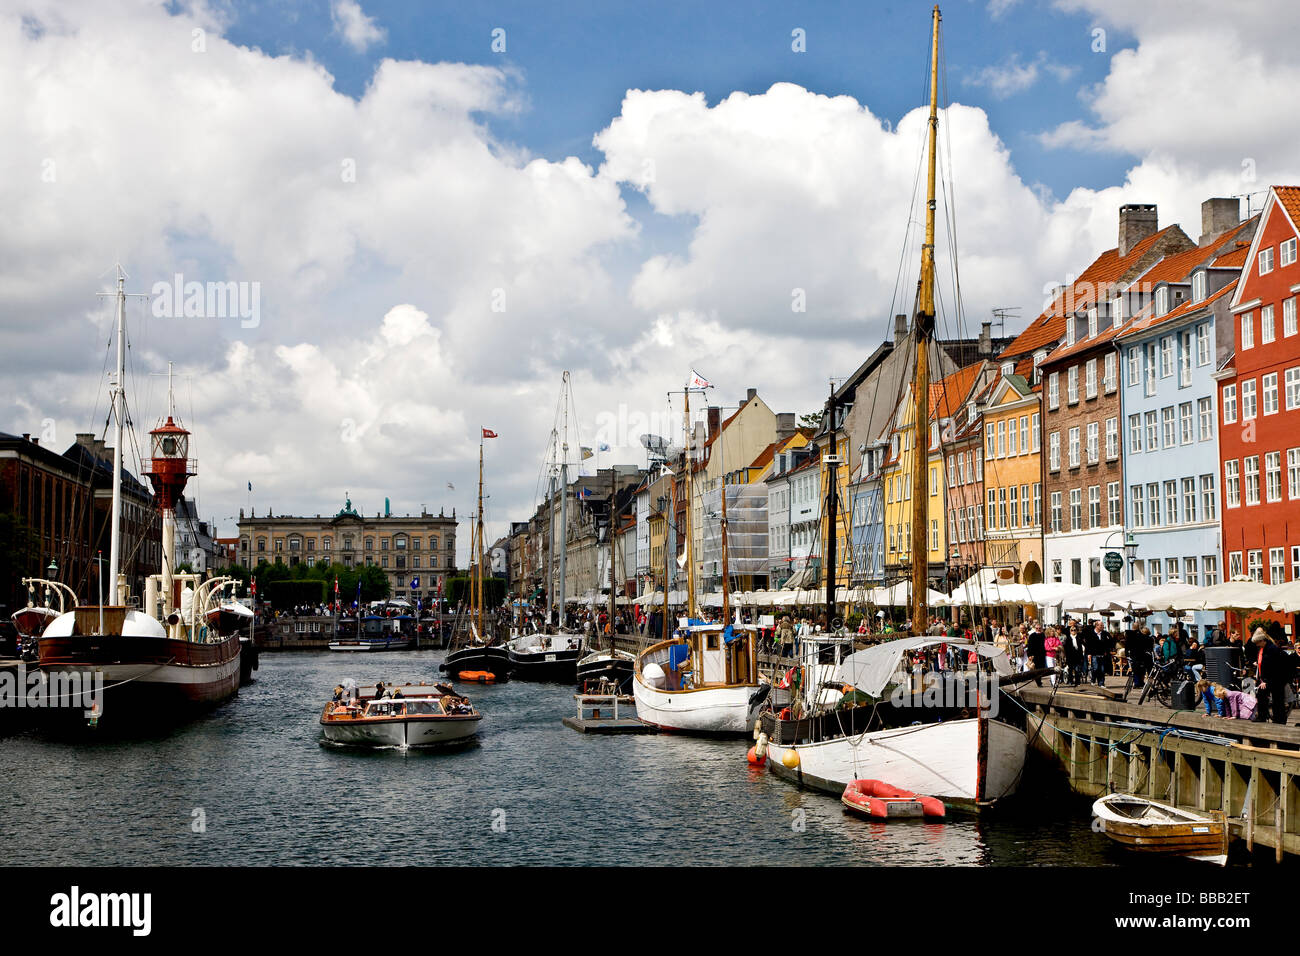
point(943, 759)
point(708, 710)
point(401, 733)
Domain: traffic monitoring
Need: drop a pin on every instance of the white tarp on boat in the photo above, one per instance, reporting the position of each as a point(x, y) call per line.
point(871, 670)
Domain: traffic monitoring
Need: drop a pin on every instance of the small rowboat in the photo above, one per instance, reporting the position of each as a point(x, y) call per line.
point(880, 801)
point(480, 677)
point(1157, 828)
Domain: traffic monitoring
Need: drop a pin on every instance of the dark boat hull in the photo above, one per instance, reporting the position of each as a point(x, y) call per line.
point(492, 659)
point(616, 671)
point(554, 666)
point(152, 678)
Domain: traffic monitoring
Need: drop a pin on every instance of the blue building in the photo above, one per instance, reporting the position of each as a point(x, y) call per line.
point(1170, 352)
point(867, 526)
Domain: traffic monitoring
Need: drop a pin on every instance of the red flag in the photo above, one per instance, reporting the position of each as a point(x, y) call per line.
point(488, 433)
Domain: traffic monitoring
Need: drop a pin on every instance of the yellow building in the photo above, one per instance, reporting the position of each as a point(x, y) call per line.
point(946, 396)
point(1013, 490)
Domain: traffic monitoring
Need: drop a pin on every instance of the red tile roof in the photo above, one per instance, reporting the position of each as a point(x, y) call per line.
point(1289, 196)
point(1105, 270)
point(947, 395)
point(1146, 319)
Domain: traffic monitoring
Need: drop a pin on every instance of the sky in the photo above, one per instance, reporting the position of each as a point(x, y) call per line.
point(432, 210)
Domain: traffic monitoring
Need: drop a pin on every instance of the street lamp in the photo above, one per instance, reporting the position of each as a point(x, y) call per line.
point(52, 570)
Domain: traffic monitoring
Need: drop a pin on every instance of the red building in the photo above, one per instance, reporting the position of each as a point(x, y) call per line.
point(1259, 403)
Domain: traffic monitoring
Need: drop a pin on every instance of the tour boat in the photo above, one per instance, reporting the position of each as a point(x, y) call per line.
point(1143, 824)
point(881, 801)
point(408, 715)
point(703, 683)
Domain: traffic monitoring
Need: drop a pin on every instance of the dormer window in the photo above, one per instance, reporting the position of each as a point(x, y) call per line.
point(1008, 368)
point(1069, 329)
point(1162, 300)
point(1092, 322)
point(1198, 285)
point(1039, 356)
point(1117, 311)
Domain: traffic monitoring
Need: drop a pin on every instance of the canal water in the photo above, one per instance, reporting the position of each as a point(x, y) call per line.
point(252, 783)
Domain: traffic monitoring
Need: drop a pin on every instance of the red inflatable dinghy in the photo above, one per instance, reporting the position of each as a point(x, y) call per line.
point(880, 801)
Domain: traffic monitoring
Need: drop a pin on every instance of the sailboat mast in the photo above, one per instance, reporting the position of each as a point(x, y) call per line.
point(550, 532)
point(831, 513)
point(670, 553)
point(923, 329)
point(479, 572)
point(726, 574)
point(119, 415)
point(612, 576)
point(690, 501)
point(564, 494)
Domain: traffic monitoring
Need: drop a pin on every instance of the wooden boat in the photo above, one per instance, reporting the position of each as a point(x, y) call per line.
point(610, 666)
point(1143, 824)
point(546, 657)
point(881, 801)
point(415, 715)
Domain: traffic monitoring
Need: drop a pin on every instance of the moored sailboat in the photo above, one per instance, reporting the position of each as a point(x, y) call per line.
point(967, 751)
point(705, 680)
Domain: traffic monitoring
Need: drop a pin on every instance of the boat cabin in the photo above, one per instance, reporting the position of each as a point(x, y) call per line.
point(707, 656)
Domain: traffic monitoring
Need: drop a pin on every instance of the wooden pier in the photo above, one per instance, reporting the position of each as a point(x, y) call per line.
point(599, 714)
point(1183, 758)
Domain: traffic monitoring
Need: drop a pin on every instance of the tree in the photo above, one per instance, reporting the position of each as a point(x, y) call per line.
point(812, 419)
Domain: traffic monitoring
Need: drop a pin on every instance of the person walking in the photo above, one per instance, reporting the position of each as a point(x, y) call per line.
point(1036, 650)
point(1273, 671)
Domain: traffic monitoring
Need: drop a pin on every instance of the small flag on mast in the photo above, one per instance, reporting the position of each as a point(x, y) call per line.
point(698, 381)
point(488, 433)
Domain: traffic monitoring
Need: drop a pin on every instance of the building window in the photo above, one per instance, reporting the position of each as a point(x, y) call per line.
point(1035, 442)
point(990, 440)
point(1112, 439)
point(1171, 502)
point(370, 544)
point(1293, 473)
point(1276, 566)
point(1076, 509)
point(1198, 285)
point(1153, 503)
point(1266, 261)
point(1134, 434)
point(991, 516)
point(1167, 356)
point(1153, 431)
point(1273, 475)
point(1255, 565)
point(1269, 387)
point(1229, 404)
point(1247, 330)
point(1072, 385)
point(1113, 517)
point(1054, 391)
point(1024, 434)
point(1189, 500)
point(1292, 389)
point(1169, 426)
point(1056, 512)
point(1002, 439)
point(1288, 317)
point(1090, 378)
point(1286, 254)
point(1248, 407)
point(1203, 344)
point(1205, 417)
point(1266, 330)
point(1054, 451)
point(1074, 447)
point(1056, 570)
point(1162, 300)
point(1136, 502)
point(1111, 373)
point(1155, 571)
point(1002, 509)
point(1232, 482)
point(1038, 504)
point(1186, 428)
point(1295, 562)
point(1134, 365)
point(1234, 564)
point(1189, 572)
point(1210, 566)
point(261, 544)
point(1251, 473)
point(1094, 506)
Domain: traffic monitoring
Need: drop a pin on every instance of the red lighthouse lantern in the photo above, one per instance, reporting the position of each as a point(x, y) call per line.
point(169, 469)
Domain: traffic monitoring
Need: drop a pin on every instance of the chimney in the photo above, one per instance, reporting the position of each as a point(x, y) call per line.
point(785, 426)
point(750, 395)
point(714, 420)
point(986, 338)
point(1218, 215)
point(1136, 222)
point(900, 329)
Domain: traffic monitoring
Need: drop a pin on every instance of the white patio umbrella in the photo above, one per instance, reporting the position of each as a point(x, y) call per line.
point(1286, 598)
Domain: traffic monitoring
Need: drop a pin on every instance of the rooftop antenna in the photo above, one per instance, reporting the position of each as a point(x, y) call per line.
point(1000, 316)
point(1247, 197)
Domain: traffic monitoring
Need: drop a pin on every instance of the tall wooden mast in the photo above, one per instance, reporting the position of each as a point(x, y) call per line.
point(923, 330)
point(479, 564)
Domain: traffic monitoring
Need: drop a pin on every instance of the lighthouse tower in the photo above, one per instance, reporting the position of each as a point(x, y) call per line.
point(169, 469)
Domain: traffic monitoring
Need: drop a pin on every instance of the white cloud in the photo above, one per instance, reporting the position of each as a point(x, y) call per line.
point(384, 229)
point(351, 23)
point(1013, 76)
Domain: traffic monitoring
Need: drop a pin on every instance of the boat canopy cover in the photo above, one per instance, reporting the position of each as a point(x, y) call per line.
point(872, 669)
point(678, 654)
